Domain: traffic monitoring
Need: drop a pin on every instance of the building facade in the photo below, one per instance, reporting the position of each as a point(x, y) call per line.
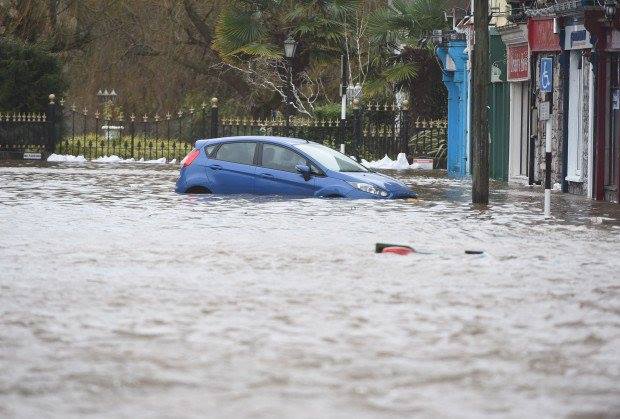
point(555, 80)
point(563, 71)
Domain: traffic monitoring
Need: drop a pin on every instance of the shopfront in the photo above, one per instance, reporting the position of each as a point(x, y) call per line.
point(518, 63)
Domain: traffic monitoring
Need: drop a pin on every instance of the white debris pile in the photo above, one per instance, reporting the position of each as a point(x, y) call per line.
point(401, 163)
point(67, 158)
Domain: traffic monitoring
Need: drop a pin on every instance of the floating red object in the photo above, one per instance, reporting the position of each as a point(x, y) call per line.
point(398, 250)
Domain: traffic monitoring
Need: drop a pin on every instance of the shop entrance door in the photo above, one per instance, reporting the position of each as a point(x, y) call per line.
point(612, 141)
point(519, 130)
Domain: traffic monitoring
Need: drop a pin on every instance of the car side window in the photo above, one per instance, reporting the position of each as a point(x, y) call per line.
point(242, 152)
point(209, 150)
point(281, 158)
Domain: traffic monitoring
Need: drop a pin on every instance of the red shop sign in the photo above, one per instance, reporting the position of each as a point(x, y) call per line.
point(518, 62)
point(541, 36)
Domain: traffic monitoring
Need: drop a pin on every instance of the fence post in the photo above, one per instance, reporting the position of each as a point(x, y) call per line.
point(51, 117)
point(214, 118)
point(203, 132)
point(404, 128)
point(133, 133)
point(357, 128)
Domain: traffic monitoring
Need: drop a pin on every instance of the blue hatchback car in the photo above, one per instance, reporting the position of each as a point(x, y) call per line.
point(281, 166)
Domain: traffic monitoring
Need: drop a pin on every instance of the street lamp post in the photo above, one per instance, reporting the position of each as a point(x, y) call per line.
point(290, 46)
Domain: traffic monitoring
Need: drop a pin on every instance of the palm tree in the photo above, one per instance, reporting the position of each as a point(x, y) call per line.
point(257, 28)
point(254, 31)
point(400, 61)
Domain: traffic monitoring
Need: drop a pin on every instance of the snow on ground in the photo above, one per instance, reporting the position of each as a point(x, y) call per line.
point(67, 158)
point(386, 163)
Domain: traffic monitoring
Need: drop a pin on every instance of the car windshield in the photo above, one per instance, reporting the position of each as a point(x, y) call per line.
point(331, 159)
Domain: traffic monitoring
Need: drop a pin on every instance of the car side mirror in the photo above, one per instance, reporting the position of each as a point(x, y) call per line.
point(304, 170)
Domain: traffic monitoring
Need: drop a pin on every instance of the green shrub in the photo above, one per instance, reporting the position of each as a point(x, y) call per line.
point(330, 111)
point(91, 147)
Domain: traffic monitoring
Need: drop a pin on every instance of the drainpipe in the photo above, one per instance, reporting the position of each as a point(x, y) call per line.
point(533, 122)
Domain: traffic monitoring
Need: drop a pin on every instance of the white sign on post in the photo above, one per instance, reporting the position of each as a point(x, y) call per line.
point(544, 111)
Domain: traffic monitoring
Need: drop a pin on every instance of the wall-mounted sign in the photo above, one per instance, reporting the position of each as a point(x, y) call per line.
point(32, 156)
point(576, 37)
point(541, 36)
point(518, 62)
point(546, 75)
point(422, 164)
point(615, 99)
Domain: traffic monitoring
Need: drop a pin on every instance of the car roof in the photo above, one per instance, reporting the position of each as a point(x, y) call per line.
point(257, 138)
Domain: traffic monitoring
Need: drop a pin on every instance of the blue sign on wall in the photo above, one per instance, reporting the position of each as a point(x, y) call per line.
point(546, 75)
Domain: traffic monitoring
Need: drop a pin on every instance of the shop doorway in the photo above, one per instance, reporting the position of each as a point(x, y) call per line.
point(612, 139)
point(519, 130)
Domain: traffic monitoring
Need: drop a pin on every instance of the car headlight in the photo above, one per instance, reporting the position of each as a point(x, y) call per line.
point(367, 187)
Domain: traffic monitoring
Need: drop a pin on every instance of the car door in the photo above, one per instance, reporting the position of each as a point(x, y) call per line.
point(276, 173)
point(231, 168)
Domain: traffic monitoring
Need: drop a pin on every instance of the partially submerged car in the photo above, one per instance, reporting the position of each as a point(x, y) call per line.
point(281, 166)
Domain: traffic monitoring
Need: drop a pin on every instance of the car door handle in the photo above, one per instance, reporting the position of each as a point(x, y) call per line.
point(216, 167)
point(267, 176)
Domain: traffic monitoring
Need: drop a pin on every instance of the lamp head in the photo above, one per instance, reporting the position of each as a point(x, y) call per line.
point(610, 9)
point(290, 45)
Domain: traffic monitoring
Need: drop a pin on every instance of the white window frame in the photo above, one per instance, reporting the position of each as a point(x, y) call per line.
point(574, 169)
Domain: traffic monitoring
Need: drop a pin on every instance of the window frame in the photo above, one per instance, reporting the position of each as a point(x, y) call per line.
point(213, 155)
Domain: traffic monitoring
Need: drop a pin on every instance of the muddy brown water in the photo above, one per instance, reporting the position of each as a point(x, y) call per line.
point(120, 298)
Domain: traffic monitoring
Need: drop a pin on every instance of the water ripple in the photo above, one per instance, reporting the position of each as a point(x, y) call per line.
point(119, 297)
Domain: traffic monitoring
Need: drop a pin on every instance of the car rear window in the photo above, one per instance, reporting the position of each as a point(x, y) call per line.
point(242, 153)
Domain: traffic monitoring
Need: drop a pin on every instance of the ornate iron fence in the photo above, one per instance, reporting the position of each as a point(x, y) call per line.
point(23, 133)
point(29, 134)
point(371, 132)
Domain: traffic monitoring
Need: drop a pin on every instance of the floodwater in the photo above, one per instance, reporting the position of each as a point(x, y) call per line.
point(120, 298)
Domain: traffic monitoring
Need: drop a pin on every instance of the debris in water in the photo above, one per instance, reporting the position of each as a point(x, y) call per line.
point(474, 252)
point(397, 249)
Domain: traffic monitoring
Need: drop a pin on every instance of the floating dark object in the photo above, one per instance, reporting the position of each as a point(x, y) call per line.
point(474, 252)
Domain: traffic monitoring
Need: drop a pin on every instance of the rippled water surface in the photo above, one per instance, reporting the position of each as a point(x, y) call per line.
point(119, 297)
